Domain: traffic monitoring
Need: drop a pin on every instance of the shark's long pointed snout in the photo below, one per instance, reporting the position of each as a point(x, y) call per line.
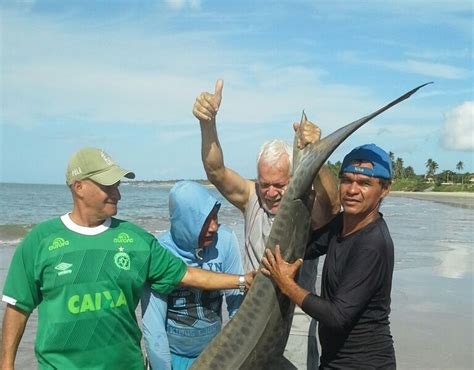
point(316, 155)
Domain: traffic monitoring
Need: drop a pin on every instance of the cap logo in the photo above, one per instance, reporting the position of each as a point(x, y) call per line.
point(368, 153)
point(106, 158)
point(76, 171)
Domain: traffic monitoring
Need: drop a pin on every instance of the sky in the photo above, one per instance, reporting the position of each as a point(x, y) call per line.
point(123, 76)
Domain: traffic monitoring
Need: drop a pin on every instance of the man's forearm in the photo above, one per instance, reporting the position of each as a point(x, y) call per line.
point(230, 184)
point(208, 280)
point(211, 151)
point(14, 323)
point(295, 292)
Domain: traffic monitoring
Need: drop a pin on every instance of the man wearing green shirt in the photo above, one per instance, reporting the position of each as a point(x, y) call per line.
point(85, 272)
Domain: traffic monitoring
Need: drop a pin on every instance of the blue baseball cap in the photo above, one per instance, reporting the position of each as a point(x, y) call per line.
point(382, 165)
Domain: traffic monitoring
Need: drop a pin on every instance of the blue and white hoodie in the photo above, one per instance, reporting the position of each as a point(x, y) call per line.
point(186, 320)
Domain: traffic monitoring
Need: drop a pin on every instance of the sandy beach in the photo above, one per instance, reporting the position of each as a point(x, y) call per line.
point(459, 199)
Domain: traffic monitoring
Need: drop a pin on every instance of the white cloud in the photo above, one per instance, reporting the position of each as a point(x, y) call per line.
point(431, 69)
point(195, 4)
point(424, 68)
point(181, 4)
point(176, 4)
point(458, 130)
point(440, 54)
point(121, 77)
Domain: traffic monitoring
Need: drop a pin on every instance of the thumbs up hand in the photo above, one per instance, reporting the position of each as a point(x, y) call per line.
point(207, 104)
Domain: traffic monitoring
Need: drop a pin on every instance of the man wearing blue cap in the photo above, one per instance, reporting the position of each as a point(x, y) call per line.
point(354, 306)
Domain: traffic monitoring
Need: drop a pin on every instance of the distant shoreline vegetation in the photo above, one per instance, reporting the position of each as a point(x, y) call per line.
point(164, 183)
point(161, 182)
point(415, 183)
point(405, 179)
point(420, 185)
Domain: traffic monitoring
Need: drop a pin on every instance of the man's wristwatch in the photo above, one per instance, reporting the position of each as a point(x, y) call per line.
point(242, 287)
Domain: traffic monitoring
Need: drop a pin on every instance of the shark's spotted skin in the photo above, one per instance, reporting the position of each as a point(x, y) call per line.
point(256, 336)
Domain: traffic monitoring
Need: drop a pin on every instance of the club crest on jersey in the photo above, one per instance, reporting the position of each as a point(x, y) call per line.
point(122, 259)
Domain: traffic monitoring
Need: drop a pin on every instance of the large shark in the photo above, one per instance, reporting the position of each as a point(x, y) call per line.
point(256, 337)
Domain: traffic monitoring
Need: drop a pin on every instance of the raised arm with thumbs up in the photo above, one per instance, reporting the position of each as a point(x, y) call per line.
point(260, 200)
point(232, 186)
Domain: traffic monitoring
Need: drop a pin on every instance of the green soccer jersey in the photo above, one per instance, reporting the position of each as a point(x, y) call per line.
point(86, 283)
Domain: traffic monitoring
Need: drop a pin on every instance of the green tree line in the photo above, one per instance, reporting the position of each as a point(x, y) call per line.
point(405, 176)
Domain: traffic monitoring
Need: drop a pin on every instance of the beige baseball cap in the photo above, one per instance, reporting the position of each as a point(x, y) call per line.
point(96, 165)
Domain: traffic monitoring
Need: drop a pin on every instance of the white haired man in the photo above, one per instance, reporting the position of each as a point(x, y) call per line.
point(259, 201)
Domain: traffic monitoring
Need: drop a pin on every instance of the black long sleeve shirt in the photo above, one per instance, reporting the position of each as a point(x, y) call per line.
point(354, 307)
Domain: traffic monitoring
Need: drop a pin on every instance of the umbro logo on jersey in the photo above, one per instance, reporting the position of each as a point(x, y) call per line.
point(63, 268)
point(123, 238)
point(58, 243)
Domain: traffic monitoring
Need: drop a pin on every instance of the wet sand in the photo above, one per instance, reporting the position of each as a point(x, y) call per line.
point(431, 321)
point(457, 199)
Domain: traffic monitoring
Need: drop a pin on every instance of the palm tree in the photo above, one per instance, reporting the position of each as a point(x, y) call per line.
point(459, 168)
point(434, 167)
point(448, 174)
point(392, 159)
point(428, 166)
point(398, 169)
point(431, 167)
point(409, 172)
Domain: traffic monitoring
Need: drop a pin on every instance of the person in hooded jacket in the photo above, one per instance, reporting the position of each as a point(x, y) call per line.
point(179, 326)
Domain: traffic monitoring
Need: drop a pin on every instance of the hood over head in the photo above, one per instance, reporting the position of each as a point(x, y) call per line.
point(189, 206)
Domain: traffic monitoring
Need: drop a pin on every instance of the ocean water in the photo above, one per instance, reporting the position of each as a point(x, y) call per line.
point(425, 233)
point(24, 205)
